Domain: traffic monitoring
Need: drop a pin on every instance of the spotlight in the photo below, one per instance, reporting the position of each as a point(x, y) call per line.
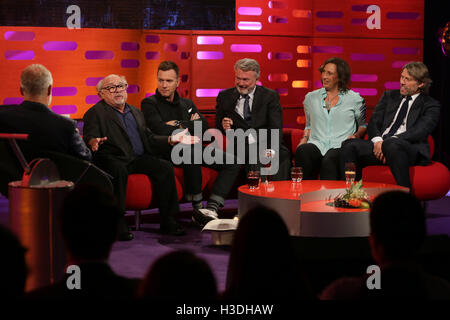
point(444, 39)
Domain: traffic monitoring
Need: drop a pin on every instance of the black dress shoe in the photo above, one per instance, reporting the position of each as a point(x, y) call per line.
point(126, 236)
point(124, 231)
point(172, 227)
point(200, 219)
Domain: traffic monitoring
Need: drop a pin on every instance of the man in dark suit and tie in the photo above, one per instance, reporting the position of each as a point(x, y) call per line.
point(399, 127)
point(122, 144)
point(250, 106)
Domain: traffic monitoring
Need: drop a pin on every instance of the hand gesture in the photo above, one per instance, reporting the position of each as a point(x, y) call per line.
point(184, 138)
point(227, 123)
point(172, 123)
point(195, 116)
point(94, 143)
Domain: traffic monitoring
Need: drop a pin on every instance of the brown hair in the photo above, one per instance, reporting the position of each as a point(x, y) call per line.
point(419, 71)
point(343, 71)
point(168, 65)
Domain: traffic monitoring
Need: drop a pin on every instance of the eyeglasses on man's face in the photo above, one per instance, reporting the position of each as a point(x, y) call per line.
point(119, 87)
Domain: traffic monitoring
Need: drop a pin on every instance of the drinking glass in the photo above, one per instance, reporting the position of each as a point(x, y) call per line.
point(253, 177)
point(350, 173)
point(296, 174)
point(268, 154)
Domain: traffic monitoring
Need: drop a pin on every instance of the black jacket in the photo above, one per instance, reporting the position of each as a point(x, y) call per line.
point(157, 111)
point(101, 121)
point(47, 130)
point(423, 117)
point(266, 111)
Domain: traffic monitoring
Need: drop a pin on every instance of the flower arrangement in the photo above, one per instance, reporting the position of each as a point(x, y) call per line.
point(354, 197)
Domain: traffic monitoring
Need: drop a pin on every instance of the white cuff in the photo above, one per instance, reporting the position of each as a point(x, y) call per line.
point(376, 139)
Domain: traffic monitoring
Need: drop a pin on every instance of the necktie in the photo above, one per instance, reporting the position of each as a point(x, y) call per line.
point(247, 112)
point(400, 118)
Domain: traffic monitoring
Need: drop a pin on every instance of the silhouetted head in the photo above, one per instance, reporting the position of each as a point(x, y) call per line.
point(262, 262)
point(89, 223)
point(179, 276)
point(13, 268)
point(397, 226)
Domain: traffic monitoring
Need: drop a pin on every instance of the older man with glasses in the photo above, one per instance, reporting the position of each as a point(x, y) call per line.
point(122, 144)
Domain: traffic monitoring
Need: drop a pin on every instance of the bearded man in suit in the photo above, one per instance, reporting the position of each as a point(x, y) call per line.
point(399, 128)
point(250, 106)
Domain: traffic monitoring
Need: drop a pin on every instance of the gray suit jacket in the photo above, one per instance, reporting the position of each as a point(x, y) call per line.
point(423, 117)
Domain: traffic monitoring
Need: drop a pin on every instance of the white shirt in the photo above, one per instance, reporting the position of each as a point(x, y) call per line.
point(402, 127)
point(240, 103)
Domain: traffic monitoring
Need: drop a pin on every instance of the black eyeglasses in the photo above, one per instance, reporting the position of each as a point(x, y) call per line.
point(119, 87)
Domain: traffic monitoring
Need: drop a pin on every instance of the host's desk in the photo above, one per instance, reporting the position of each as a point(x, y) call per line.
point(303, 206)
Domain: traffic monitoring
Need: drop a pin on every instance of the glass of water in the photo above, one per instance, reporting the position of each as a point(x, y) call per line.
point(296, 174)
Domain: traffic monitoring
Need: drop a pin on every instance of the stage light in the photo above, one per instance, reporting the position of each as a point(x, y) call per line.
point(444, 39)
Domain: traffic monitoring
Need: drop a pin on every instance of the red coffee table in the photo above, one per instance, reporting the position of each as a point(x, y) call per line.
point(303, 206)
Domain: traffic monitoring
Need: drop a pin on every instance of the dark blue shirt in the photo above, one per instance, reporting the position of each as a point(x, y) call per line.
point(129, 123)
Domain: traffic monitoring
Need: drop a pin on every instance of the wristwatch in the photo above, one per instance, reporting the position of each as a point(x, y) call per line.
point(177, 123)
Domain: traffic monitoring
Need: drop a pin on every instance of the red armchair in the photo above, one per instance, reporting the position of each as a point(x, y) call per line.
point(428, 182)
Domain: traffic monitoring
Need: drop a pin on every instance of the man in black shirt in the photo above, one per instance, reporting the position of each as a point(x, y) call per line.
point(166, 112)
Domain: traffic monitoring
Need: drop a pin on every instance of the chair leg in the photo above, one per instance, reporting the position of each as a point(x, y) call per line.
point(137, 214)
point(425, 206)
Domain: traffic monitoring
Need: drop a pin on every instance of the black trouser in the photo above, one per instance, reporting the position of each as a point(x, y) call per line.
point(308, 157)
point(399, 155)
point(227, 174)
point(158, 170)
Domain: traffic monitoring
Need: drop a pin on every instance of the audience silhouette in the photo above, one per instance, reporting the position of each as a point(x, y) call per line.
point(179, 276)
point(262, 263)
point(89, 225)
point(13, 267)
point(397, 232)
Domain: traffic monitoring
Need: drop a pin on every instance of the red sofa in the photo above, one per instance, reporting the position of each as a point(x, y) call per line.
point(428, 182)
